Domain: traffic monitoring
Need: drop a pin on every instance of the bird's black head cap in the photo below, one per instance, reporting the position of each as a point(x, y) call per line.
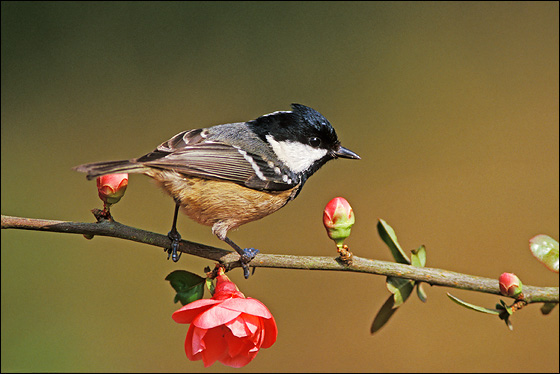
point(302, 124)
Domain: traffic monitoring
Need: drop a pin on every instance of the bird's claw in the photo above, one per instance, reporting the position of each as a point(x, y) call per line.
point(246, 255)
point(172, 251)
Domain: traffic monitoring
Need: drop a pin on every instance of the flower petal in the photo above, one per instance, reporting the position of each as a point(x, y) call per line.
point(215, 317)
point(252, 323)
point(270, 331)
point(238, 346)
point(190, 311)
point(239, 360)
point(216, 346)
point(248, 305)
point(241, 351)
point(245, 325)
point(197, 344)
point(238, 327)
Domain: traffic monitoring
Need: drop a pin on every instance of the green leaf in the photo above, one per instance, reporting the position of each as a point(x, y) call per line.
point(419, 260)
point(182, 280)
point(472, 306)
point(545, 249)
point(400, 288)
point(421, 293)
point(505, 317)
point(504, 313)
point(388, 235)
point(503, 306)
point(189, 286)
point(547, 308)
point(419, 257)
point(210, 285)
point(383, 315)
point(502, 310)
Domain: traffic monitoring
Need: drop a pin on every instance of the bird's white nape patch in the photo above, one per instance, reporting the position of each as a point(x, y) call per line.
point(297, 156)
point(275, 113)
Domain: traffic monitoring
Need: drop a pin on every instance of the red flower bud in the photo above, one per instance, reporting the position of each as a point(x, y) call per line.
point(510, 285)
point(111, 187)
point(338, 218)
point(229, 327)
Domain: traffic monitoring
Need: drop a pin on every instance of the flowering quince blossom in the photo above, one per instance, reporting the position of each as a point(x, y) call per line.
point(229, 327)
point(338, 218)
point(510, 285)
point(111, 187)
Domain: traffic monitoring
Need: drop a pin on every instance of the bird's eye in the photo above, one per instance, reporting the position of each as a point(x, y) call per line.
point(314, 141)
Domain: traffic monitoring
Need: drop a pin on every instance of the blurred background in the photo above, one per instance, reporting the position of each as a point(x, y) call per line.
point(453, 108)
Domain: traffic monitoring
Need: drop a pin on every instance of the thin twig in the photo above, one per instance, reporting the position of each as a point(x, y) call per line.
point(432, 276)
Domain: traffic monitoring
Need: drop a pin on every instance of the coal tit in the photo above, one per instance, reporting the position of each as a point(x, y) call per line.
point(227, 175)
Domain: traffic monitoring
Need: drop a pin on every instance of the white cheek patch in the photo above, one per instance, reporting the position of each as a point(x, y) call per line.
point(297, 156)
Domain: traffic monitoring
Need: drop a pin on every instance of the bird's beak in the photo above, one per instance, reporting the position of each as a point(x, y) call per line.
point(346, 153)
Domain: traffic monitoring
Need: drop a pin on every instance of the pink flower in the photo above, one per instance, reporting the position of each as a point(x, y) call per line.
point(229, 327)
point(111, 187)
point(510, 285)
point(338, 218)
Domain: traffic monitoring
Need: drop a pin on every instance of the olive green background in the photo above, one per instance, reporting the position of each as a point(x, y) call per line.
point(453, 108)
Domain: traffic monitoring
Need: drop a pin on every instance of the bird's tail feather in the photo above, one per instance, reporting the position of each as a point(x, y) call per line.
point(97, 169)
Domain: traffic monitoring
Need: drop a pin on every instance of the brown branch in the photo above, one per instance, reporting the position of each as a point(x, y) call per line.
point(432, 276)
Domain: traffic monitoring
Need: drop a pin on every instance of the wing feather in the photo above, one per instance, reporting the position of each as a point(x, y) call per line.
point(190, 154)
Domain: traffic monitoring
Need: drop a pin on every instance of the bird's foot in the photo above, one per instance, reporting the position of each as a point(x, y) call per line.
point(245, 256)
point(172, 251)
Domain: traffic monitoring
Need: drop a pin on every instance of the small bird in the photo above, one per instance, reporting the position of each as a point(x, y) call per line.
point(227, 175)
